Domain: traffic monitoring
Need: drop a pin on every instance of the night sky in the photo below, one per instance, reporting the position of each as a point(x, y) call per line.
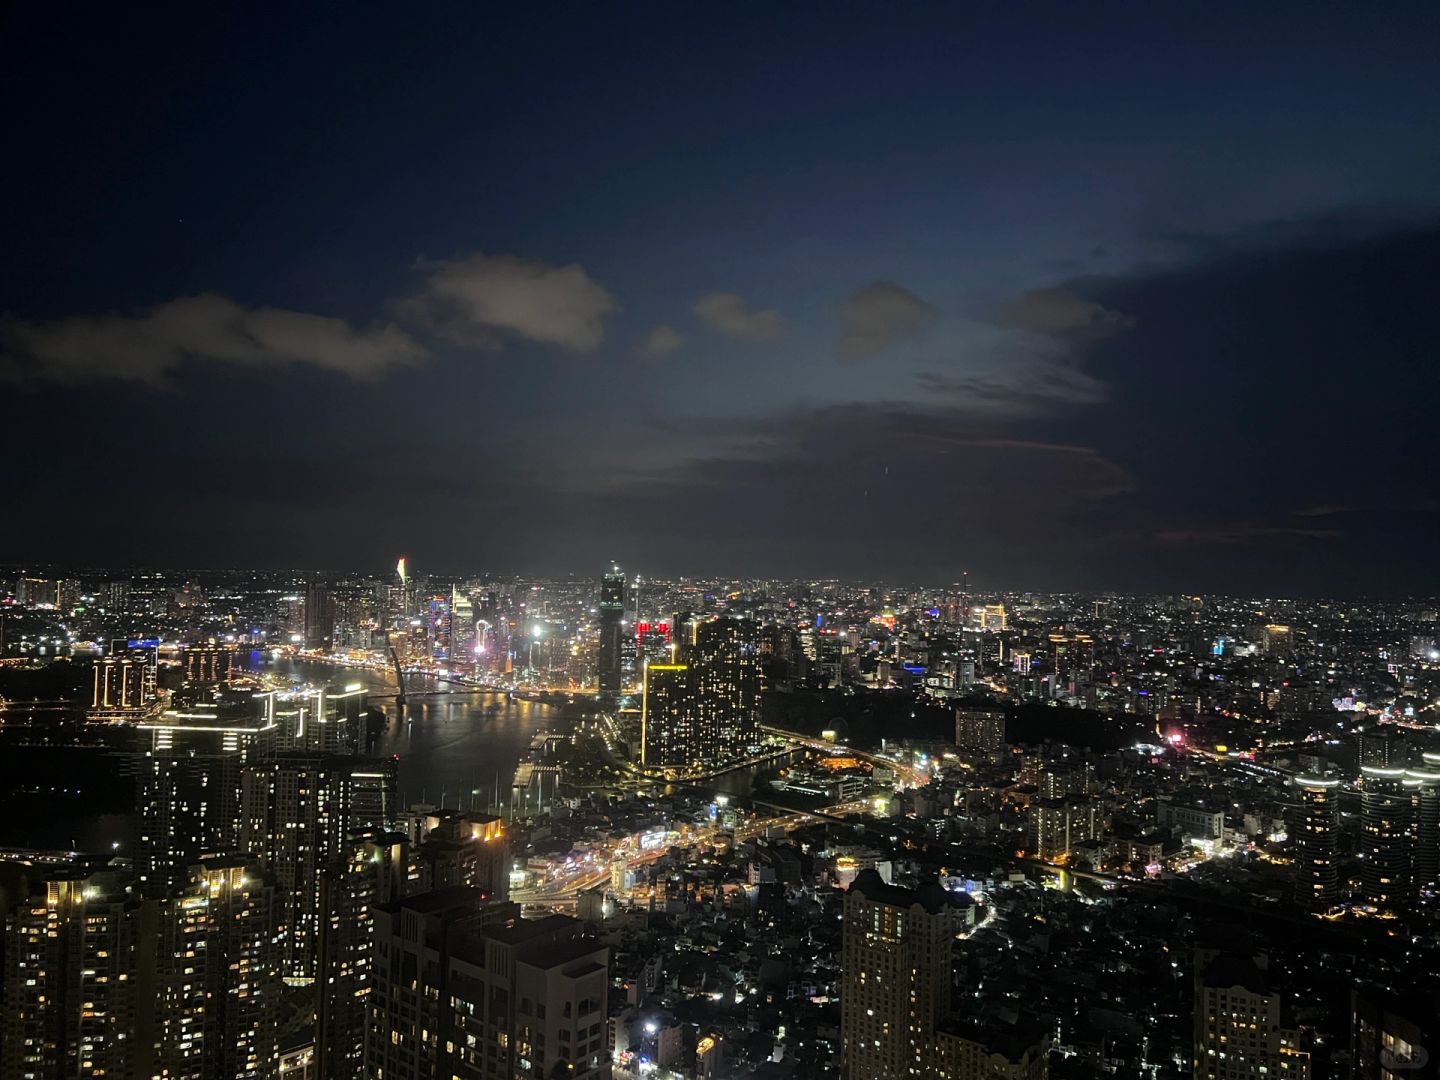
point(1073, 296)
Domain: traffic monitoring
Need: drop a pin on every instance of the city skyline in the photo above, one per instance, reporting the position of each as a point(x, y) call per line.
point(1069, 299)
point(694, 831)
point(737, 542)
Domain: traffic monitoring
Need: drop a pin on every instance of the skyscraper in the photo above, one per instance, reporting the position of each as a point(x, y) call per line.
point(666, 716)
point(229, 912)
point(370, 870)
point(898, 955)
point(461, 651)
point(1423, 783)
point(68, 956)
point(1243, 1028)
point(1315, 830)
point(612, 617)
point(188, 788)
point(122, 683)
point(1385, 825)
point(980, 733)
point(469, 989)
point(1393, 1034)
point(705, 709)
point(207, 665)
point(469, 849)
point(319, 617)
point(102, 982)
point(725, 664)
point(297, 811)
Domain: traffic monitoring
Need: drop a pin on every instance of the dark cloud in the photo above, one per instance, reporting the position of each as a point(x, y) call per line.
point(728, 313)
point(152, 347)
point(474, 301)
point(661, 341)
point(1259, 380)
point(1059, 312)
point(879, 315)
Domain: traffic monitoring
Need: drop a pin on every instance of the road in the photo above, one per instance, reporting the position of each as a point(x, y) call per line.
point(563, 890)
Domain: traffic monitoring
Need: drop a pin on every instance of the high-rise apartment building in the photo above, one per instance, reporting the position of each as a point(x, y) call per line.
point(1058, 825)
point(1423, 782)
point(1314, 831)
point(898, 956)
point(69, 954)
point(667, 716)
point(1393, 1035)
point(188, 788)
point(612, 618)
point(531, 999)
point(1277, 639)
point(1243, 1030)
point(980, 733)
point(319, 631)
point(453, 848)
point(208, 665)
point(224, 927)
point(725, 666)
point(705, 708)
point(1382, 747)
point(466, 989)
point(100, 981)
point(1385, 836)
point(122, 683)
point(371, 870)
point(297, 811)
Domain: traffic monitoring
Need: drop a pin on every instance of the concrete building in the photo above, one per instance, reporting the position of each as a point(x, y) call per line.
point(1191, 820)
point(1314, 831)
point(1243, 1030)
point(980, 733)
point(296, 812)
point(465, 988)
point(897, 958)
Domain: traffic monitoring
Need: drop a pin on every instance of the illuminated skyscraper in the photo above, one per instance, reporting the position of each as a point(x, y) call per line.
point(102, 982)
point(897, 960)
point(1277, 640)
point(370, 870)
point(1385, 825)
point(297, 811)
point(461, 652)
point(1423, 783)
point(980, 733)
point(725, 665)
point(325, 721)
point(188, 788)
point(666, 716)
point(221, 943)
point(69, 955)
point(207, 665)
point(465, 988)
point(1315, 830)
point(612, 618)
point(319, 617)
point(1243, 1028)
point(993, 617)
point(705, 709)
point(122, 683)
point(454, 848)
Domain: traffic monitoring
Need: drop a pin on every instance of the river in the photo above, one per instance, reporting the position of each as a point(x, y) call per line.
point(458, 747)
